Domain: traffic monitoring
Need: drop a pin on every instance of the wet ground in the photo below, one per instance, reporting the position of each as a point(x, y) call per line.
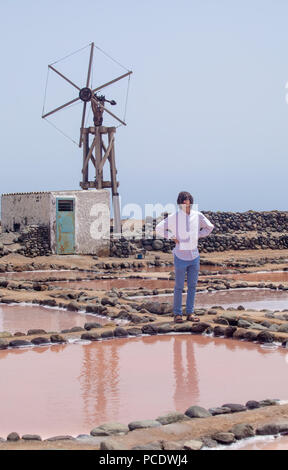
point(69, 389)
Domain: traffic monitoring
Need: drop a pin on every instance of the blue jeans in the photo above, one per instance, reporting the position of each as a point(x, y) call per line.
point(192, 268)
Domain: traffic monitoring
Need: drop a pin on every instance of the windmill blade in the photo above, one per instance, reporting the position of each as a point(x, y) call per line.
point(63, 76)
point(82, 123)
point(87, 85)
point(60, 107)
point(114, 115)
point(112, 81)
point(90, 64)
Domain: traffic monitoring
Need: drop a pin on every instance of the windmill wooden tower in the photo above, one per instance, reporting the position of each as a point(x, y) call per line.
point(97, 141)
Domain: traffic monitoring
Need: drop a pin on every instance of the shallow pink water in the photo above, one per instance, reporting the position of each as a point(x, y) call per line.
point(281, 276)
point(69, 389)
point(249, 298)
point(23, 318)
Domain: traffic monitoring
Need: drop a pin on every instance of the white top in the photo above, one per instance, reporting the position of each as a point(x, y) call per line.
point(187, 228)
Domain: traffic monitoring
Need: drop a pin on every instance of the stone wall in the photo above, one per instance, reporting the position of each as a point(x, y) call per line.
point(232, 231)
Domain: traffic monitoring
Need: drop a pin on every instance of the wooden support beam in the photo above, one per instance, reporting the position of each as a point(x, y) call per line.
point(88, 156)
point(107, 153)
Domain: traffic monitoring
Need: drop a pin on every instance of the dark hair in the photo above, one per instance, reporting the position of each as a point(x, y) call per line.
point(182, 196)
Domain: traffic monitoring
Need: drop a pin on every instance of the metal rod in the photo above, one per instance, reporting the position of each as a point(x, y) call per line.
point(112, 81)
point(63, 76)
point(60, 107)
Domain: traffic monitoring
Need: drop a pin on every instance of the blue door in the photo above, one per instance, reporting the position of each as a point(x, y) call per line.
point(65, 223)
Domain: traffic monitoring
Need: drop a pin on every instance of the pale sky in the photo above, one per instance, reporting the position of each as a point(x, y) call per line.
point(207, 110)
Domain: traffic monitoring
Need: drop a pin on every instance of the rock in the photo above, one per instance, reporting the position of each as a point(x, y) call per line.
point(243, 323)
point(167, 328)
point(156, 445)
point(61, 438)
point(219, 411)
point(73, 307)
point(250, 335)
point(229, 331)
point(268, 429)
point(108, 429)
point(111, 444)
point(19, 342)
point(268, 402)
point(107, 334)
point(209, 442)
point(90, 336)
point(199, 327)
point(252, 404)
point(13, 436)
point(120, 332)
point(40, 340)
point(31, 437)
point(265, 337)
point(197, 412)
point(134, 331)
point(193, 445)
point(145, 423)
point(224, 437)
point(36, 332)
point(57, 339)
point(234, 407)
point(173, 445)
point(89, 325)
point(242, 430)
point(171, 417)
point(182, 327)
point(158, 307)
point(3, 344)
point(219, 331)
point(149, 330)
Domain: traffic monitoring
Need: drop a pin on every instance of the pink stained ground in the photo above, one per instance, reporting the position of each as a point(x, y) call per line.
point(23, 318)
point(69, 389)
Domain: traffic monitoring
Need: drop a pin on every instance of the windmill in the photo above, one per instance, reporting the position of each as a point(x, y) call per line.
point(92, 139)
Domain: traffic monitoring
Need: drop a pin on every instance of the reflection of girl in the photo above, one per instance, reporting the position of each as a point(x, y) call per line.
point(188, 225)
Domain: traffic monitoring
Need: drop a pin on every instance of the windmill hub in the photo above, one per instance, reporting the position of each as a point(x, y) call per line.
point(85, 94)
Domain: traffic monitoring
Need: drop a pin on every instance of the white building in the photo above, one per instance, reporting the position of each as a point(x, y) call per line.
point(78, 220)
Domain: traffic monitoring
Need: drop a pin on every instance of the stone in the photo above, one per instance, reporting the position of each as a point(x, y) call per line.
point(243, 323)
point(268, 402)
point(173, 445)
point(193, 445)
point(31, 437)
point(111, 444)
point(149, 330)
point(156, 445)
point(265, 337)
point(4, 344)
point(171, 417)
point(40, 340)
point(57, 339)
point(219, 411)
point(242, 430)
point(167, 328)
point(89, 325)
point(13, 436)
point(268, 429)
point(107, 334)
point(197, 412)
point(252, 404)
point(199, 327)
point(5, 334)
point(209, 442)
point(19, 342)
point(224, 437)
point(235, 407)
point(36, 332)
point(108, 429)
point(134, 331)
point(145, 423)
point(61, 438)
point(120, 332)
point(90, 336)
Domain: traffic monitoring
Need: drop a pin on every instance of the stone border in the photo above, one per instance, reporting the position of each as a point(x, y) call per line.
point(236, 433)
